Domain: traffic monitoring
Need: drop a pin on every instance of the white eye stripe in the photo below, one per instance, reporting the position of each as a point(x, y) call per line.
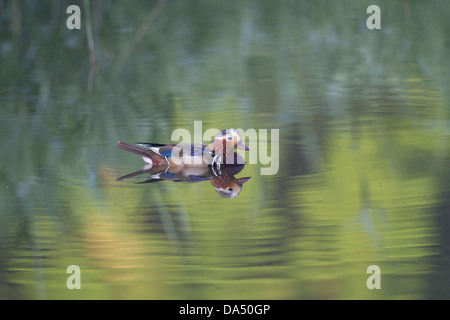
point(229, 137)
point(229, 134)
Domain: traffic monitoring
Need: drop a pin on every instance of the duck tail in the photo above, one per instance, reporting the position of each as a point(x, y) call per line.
point(133, 149)
point(154, 157)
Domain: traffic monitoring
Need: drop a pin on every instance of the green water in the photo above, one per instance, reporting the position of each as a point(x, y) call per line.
point(363, 178)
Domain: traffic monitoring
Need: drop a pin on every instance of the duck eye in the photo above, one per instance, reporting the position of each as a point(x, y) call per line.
point(230, 138)
point(230, 189)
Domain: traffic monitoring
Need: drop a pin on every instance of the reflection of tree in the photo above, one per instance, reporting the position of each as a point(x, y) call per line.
point(441, 261)
point(363, 120)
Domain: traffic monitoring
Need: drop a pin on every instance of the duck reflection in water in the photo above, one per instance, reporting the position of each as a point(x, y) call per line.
point(223, 179)
point(216, 162)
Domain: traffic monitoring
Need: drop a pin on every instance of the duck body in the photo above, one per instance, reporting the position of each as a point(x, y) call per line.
point(219, 151)
point(172, 155)
point(182, 154)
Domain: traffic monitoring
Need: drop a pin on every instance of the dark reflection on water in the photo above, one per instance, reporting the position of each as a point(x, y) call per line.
point(364, 150)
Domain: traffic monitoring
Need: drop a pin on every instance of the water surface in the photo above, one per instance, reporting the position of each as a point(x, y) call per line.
point(364, 150)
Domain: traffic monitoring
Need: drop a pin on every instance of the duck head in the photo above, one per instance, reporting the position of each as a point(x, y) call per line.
point(229, 186)
point(227, 140)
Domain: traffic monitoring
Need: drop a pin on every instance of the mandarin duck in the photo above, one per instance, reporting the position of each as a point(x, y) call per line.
point(217, 152)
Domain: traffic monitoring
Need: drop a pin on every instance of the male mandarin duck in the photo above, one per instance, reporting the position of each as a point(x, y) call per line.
point(217, 152)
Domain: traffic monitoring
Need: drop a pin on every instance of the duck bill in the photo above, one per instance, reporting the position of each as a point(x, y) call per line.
point(242, 146)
